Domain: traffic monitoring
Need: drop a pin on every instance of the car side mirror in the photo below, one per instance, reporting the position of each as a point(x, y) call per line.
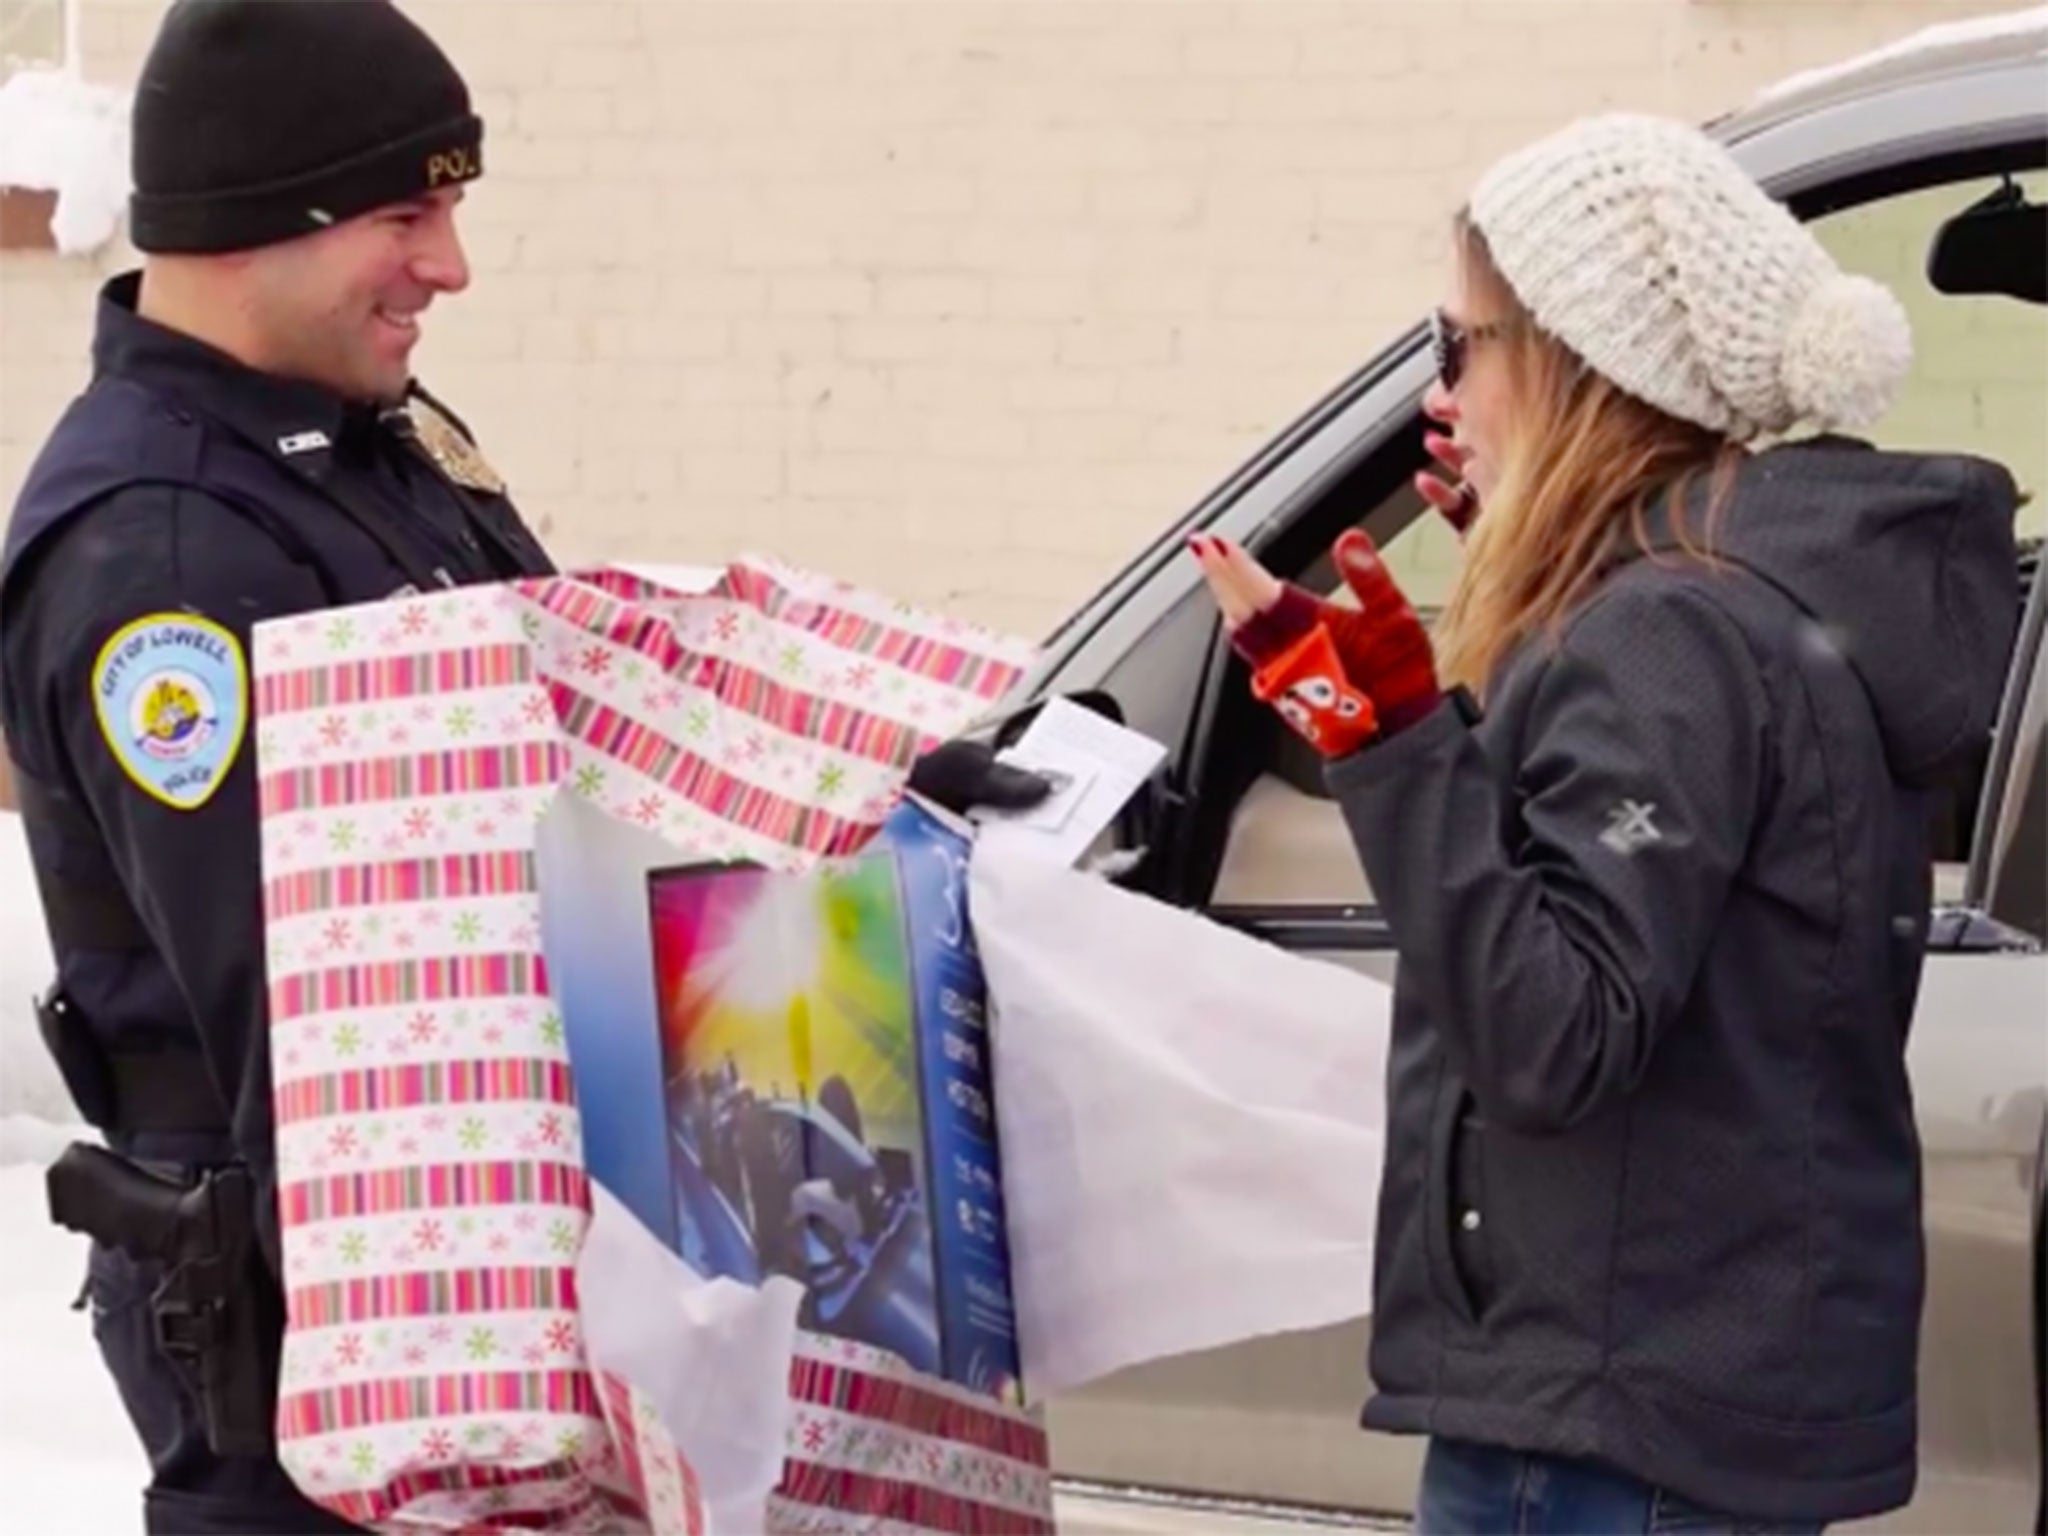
point(1998, 245)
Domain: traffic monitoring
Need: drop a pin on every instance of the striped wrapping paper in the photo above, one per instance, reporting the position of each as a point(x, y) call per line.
point(431, 1184)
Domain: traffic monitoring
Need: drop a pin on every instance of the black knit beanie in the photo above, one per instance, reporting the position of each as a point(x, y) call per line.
point(260, 120)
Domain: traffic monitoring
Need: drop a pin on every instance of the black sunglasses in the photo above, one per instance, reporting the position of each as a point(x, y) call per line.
point(1450, 342)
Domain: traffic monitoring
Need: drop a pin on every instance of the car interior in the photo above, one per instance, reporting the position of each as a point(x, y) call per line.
point(1968, 258)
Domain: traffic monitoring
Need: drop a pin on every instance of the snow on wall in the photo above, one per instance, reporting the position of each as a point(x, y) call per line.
point(59, 133)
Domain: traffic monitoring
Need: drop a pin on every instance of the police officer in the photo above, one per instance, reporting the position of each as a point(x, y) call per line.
point(251, 444)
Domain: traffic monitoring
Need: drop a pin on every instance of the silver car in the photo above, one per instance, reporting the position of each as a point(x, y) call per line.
point(1923, 167)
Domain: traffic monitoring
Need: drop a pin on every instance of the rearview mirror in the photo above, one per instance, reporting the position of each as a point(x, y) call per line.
point(1998, 245)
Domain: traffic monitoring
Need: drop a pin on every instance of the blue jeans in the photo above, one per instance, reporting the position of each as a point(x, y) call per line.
point(1479, 1490)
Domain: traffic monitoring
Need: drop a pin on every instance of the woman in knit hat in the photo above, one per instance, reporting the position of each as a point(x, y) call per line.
point(1648, 826)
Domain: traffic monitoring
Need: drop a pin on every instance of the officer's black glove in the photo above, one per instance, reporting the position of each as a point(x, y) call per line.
point(960, 775)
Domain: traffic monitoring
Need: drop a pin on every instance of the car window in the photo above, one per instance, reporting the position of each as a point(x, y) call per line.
point(1979, 385)
point(1287, 844)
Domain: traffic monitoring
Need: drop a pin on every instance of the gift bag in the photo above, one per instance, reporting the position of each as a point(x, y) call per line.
point(431, 1184)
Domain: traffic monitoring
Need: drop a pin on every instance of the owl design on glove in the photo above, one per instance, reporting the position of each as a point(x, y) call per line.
point(1306, 700)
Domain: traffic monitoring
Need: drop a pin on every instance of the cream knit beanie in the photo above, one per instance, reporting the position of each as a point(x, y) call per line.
point(1640, 244)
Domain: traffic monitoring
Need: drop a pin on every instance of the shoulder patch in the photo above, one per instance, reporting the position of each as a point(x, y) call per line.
point(171, 695)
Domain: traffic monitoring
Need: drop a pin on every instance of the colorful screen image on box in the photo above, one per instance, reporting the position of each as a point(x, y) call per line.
point(790, 1067)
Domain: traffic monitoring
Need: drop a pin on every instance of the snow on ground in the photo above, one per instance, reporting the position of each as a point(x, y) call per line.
point(68, 1461)
point(29, 1084)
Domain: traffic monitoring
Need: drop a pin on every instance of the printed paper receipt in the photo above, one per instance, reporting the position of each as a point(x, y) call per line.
point(1096, 765)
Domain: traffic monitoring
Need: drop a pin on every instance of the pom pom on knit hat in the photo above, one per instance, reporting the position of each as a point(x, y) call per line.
point(1849, 346)
point(1644, 247)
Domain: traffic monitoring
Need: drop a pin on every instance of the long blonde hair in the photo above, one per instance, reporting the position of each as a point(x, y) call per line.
point(1580, 466)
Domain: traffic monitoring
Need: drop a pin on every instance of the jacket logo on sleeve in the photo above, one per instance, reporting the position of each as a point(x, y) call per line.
point(1630, 828)
point(170, 694)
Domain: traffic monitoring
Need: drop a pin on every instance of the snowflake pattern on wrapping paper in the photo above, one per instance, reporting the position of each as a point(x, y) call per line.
point(439, 1235)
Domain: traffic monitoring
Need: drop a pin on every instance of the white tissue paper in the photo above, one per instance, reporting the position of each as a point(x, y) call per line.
point(711, 1355)
point(1192, 1122)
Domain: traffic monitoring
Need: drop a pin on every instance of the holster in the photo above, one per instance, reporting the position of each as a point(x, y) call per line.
point(215, 1310)
point(79, 1060)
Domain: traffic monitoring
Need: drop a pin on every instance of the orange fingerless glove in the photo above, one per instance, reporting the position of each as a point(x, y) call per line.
point(1342, 676)
point(1307, 685)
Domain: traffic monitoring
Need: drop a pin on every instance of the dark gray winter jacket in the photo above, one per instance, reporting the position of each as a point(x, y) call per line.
point(1652, 1190)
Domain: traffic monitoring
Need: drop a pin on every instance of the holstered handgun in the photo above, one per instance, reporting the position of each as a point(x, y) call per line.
point(208, 1308)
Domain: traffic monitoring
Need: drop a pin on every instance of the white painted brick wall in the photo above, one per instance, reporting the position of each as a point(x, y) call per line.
point(967, 298)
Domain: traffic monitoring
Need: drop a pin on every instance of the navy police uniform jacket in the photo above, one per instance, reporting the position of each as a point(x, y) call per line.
point(182, 499)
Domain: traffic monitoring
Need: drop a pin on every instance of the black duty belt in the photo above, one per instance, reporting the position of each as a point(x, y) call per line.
point(164, 1093)
point(125, 1090)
